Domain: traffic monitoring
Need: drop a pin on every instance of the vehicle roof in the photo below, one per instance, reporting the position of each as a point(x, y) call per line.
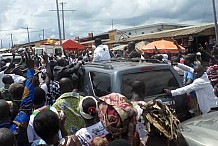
point(113, 65)
point(203, 129)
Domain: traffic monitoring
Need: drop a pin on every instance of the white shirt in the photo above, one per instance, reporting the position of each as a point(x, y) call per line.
point(86, 135)
point(102, 53)
point(140, 126)
point(32, 136)
point(203, 89)
point(16, 78)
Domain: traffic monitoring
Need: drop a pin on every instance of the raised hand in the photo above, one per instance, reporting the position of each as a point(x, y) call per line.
point(29, 61)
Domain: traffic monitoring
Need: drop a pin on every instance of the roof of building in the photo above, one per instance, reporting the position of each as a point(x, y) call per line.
point(154, 25)
point(185, 31)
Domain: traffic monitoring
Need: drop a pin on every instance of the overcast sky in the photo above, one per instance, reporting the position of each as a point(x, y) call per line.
point(95, 16)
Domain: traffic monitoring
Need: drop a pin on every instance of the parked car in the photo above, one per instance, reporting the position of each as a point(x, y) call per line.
point(201, 130)
point(99, 79)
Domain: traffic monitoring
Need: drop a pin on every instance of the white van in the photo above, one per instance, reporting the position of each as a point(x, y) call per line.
point(49, 49)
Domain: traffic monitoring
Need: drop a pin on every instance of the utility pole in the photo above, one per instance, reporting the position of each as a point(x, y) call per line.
point(59, 25)
point(43, 34)
point(28, 34)
point(62, 9)
point(215, 21)
point(112, 24)
point(12, 44)
point(1, 44)
point(63, 21)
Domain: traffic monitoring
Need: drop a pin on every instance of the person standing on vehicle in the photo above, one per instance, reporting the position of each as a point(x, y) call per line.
point(206, 98)
point(102, 52)
point(131, 51)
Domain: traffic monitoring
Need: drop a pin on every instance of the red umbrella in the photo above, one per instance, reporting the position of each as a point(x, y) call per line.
point(163, 46)
point(71, 45)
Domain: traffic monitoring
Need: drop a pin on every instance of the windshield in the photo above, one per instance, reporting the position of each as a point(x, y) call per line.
point(155, 82)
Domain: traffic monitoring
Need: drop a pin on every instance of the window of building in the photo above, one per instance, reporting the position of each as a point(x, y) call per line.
point(130, 33)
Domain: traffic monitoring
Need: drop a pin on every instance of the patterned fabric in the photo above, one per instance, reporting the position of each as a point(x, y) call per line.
point(161, 117)
point(53, 92)
point(117, 115)
point(69, 102)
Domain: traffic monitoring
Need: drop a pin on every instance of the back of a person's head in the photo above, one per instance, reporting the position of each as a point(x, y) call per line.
point(46, 125)
point(16, 90)
point(7, 138)
point(39, 96)
point(98, 42)
point(36, 82)
point(4, 110)
point(119, 142)
point(66, 85)
point(88, 107)
point(138, 87)
point(7, 79)
point(60, 62)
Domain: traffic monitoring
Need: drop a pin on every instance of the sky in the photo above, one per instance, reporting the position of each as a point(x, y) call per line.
point(95, 16)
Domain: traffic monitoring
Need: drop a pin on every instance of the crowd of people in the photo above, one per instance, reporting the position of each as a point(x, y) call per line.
point(33, 101)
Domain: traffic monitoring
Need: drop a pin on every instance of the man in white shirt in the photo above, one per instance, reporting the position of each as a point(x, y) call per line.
point(206, 98)
point(101, 52)
point(16, 78)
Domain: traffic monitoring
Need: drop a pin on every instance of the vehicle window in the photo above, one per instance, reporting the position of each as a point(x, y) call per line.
point(155, 82)
point(101, 83)
point(58, 51)
point(39, 51)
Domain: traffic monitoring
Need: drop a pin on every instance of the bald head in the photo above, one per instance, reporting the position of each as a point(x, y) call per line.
point(7, 79)
point(16, 90)
point(4, 110)
point(66, 85)
point(198, 71)
point(7, 138)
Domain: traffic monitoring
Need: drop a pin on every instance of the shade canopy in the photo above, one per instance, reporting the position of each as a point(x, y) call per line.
point(163, 46)
point(72, 45)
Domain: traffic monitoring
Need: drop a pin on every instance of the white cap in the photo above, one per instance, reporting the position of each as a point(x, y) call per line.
point(198, 53)
point(93, 47)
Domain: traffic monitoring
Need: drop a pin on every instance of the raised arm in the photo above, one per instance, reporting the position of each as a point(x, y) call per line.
point(185, 67)
point(28, 94)
point(48, 70)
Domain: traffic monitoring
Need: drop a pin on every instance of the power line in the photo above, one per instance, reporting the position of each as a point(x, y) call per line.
point(28, 34)
point(63, 23)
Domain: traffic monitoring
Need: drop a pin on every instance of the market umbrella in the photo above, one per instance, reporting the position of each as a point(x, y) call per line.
point(163, 46)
